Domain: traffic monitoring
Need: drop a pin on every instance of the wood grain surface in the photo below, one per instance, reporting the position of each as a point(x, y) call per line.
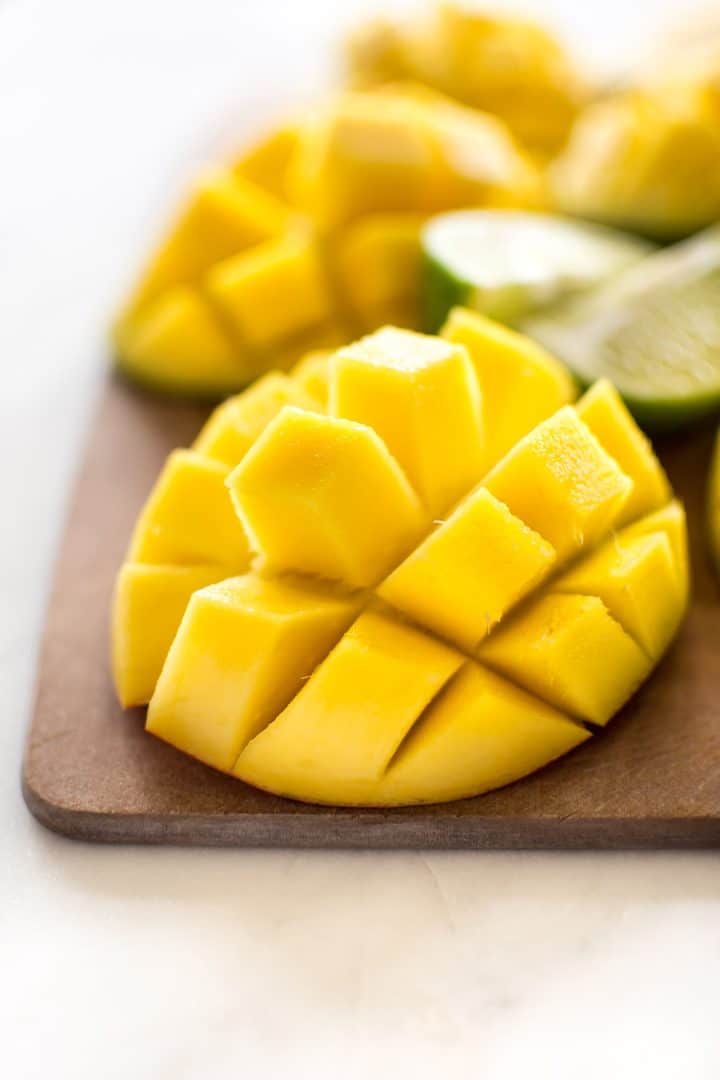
point(652, 779)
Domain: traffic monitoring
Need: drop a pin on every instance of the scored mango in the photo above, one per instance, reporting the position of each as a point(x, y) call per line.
point(413, 621)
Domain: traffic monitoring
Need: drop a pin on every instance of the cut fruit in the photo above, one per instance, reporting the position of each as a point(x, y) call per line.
point(507, 264)
point(273, 292)
point(569, 650)
point(243, 650)
point(521, 383)
point(653, 332)
point(268, 161)
point(637, 580)
point(671, 521)
point(561, 483)
point(148, 605)
point(330, 734)
point(235, 425)
point(470, 571)
point(714, 504)
point(178, 345)
point(312, 493)
point(311, 374)
point(421, 396)
point(604, 412)
point(189, 517)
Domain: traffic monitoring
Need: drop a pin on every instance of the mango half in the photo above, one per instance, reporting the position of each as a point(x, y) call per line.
point(388, 604)
point(309, 237)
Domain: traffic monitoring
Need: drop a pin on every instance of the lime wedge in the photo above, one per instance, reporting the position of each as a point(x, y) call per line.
point(508, 263)
point(654, 332)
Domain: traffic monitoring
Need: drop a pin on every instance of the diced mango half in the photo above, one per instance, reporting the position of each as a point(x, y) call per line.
point(243, 650)
point(571, 652)
point(421, 396)
point(607, 416)
point(470, 571)
point(267, 161)
point(224, 215)
point(521, 383)
point(273, 292)
point(235, 425)
point(637, 581)
point(148, 604)
point(378, 264)
point(311, 374)
point(322, 495)
point(178, 343)
point(328, 736)
point(189, 518)
point(561, 483)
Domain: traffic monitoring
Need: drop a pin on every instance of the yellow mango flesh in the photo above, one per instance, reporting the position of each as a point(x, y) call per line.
point(561, 483)
point(521, 383)
point(311, 374)
point(148, 604)
point(569, 651)
point(273, 292)
point(189, 518)
point(378, 266)
point(637, 581)
point(328, 733)
point(243, 649)
point(321, 495)
point(670, 520)
point(178, 341)
point(267, 162)
point(421, 396)
point(605, 413)
point(235, 425)
point(470, 571)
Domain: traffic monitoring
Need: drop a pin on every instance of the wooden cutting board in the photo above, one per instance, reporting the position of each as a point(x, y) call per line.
point(652, 779)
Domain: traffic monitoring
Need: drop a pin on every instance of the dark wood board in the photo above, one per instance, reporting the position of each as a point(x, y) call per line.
point(652, 779)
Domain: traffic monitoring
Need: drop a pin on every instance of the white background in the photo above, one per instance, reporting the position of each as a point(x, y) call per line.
point(120, 963)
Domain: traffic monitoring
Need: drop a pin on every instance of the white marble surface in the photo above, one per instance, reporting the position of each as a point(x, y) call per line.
point(119, 963)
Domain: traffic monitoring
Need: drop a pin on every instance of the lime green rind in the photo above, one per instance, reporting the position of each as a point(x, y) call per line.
point(440, 292)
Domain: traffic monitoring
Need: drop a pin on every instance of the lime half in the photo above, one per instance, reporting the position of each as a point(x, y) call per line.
point(654, 332)
point(508, 263)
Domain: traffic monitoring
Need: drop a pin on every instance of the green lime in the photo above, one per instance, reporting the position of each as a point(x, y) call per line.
point(509, 263)
point(654, 331)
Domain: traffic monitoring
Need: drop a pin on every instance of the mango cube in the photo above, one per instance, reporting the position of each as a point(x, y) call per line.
point(470, 571)
point(268, 161)
point(148, 605)
point(670, 520)
point(421, 396)
point(378, 264)
point(311, 374)
point(243, 649)
point(324, 496)
point(273, 292)
point(561, 483)
point(189, 517)
point(178, 341)
point(235, 425)
point(569, 651)
point(521, 383)
point(329, 737)
point(637, 581)
point(607, 416)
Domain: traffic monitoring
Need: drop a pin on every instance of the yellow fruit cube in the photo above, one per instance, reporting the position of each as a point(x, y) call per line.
point(225, 214)
point(177, 343)
point(267, 162)
point(670, 520)
point(148, 604)
point(605, 413)
point(243, 649)
point(311, 373)
point(272, 292)
point(569, 651)
point(521, 383)
point(189, 517)
point(235, 425)
point(378, 264)
point(324, 496)
point(470, 571)
point(482, 732)
point(561, 483)
point(421, 396)
point(637, 581)
point(329, 740)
